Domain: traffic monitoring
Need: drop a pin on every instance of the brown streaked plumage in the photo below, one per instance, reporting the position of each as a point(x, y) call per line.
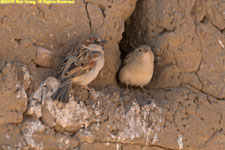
point(81, 66)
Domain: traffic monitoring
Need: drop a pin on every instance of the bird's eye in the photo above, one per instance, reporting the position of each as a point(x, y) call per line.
point(139, 50)
point(82, 64)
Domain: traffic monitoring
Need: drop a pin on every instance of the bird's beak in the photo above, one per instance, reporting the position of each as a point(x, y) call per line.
point(104, 42)
point(146, 50)
point(95, 53)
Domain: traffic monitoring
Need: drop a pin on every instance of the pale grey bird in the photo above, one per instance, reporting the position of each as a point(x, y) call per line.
point(81, 66)
point(138, 66)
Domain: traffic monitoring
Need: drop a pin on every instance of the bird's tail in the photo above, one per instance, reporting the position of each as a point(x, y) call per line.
point(62, 93)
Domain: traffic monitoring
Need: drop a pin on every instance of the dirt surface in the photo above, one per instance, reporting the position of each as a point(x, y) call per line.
point(181, 108)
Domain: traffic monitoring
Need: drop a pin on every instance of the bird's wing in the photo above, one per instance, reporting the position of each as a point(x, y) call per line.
point(82, 61)
point(127, 59)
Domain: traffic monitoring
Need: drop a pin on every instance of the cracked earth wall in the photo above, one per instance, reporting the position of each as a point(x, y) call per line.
point(181, 108)
point(188, 41)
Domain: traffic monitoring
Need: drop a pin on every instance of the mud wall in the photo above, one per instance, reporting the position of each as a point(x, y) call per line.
point(181, 108)
point(188, 41)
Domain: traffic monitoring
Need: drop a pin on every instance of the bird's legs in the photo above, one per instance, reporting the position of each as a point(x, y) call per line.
point(143, 89)
point(128, 91)
point(90, 90)
point(85, 87)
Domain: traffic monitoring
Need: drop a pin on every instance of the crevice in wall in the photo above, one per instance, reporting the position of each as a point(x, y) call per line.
point(126, 44)
point(88, 16)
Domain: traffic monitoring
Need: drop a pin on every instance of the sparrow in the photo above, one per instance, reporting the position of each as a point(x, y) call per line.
point(81, 66)
point(137, 68)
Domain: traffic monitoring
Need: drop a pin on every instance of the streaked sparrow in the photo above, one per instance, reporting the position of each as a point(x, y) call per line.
point(81, 66)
